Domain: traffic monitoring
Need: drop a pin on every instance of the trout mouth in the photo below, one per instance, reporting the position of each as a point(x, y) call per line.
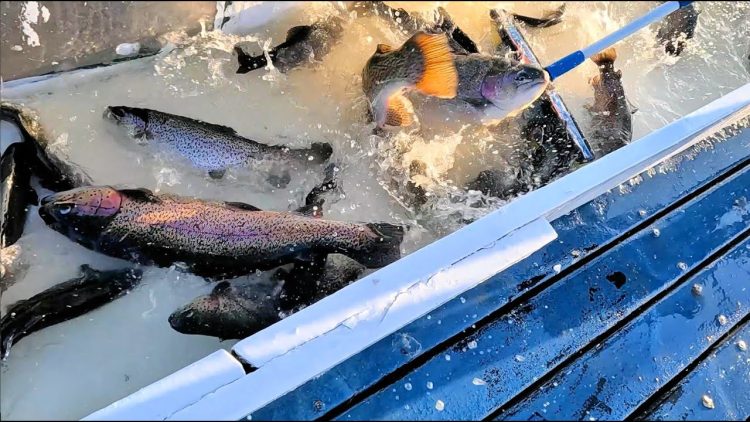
point(114, 113)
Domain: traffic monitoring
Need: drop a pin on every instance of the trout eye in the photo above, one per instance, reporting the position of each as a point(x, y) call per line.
point(64, 209)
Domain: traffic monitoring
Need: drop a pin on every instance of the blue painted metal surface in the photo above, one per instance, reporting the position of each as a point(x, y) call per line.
point(724, 377)
point(586, 231)
point(495, 364)
point(613, 380)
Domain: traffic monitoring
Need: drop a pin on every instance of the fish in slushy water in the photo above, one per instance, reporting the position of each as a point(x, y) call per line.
point(611, 120)
point(53, 172)
point(212, 239)
point(677, 28)
point(303, 44)
point(238, 309)
point(207, 146)
point(17, 193)
point(65, 301)
point(423, 63)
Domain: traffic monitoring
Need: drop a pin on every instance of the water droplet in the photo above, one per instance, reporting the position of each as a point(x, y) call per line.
point(472, 344)
point(697, 289)
point(708, 402)
point(439, 405)
point(656, 232)
point(742, 345)
point(429, 385)
point(448, 357)
point(520, 358)
point(477, 381)
point(642, 213)
point(681, 265)
point(722, 320)
point(463, 300)
point(557, 268)
point(407, 386)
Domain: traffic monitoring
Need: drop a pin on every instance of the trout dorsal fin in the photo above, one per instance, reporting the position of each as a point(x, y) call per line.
point(439, 77)
point(242, 206)
point(210, 126)
point(383, 49)
point(140, 194)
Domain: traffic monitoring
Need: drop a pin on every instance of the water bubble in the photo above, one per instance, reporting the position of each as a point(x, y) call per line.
point(683, 266)
point(557, 268)
point(742, 345)
point(520, 358)
point(708, 402)
point(472, 344)
point(463, 300)
point(478, 381)
point(448, 357)
point(439, 405)
point(429, 385)
point(407, 386)
point(722, 320)
point(656, 232)
point(697, 289)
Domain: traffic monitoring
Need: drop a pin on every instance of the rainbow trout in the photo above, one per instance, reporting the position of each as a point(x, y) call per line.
point(611, 117)
point(303, 44)
point(65, 301)
point(212, 239)
point(241, 308)
point(207, 146)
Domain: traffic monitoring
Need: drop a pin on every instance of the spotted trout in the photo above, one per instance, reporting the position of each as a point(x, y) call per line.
point(423, 63)
point(238, 309)
point(207, 146)
point(611, 120)
point(212, 239)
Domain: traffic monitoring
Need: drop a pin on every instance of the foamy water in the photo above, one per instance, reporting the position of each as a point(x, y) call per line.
point(74, 368)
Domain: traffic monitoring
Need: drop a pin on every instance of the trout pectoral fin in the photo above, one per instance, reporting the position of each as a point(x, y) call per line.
point(383, 48)
point(439, 77)
point(399, 111)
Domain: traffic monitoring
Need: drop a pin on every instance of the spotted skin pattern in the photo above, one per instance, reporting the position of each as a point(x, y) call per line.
point(214, 239)
point(207, 146)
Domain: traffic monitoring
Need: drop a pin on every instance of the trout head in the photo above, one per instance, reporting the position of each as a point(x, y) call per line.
point(515, 88)
point(226, 313)
point(81, 214)
point(134, 120)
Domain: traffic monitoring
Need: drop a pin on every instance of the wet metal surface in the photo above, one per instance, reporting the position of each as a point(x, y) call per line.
point(522, 346)
point(724, 377)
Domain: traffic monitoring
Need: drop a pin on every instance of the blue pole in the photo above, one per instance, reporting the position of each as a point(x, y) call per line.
point(572, 60)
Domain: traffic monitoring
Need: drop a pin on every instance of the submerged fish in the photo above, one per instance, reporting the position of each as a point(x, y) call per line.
point(677, 28)
point(53, 172)
point(304, 44)
point(424, 63)
point(207, 146)
point(239, 309)
point(63, 302)
point(611, 117)
point(213, 239)
point(17, 193)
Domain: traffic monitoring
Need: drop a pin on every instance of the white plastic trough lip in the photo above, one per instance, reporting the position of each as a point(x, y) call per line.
point(172, 393)
point(317, 338)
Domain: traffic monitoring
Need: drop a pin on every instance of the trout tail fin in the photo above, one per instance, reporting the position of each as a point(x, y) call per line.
point(607, 56)
point(383, 249)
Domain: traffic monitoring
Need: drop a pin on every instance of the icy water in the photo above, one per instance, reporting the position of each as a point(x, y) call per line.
point(74, 368)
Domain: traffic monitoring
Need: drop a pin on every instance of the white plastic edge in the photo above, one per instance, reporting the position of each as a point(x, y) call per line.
point(176, 391)
point(317, 338)
point(385, 313)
